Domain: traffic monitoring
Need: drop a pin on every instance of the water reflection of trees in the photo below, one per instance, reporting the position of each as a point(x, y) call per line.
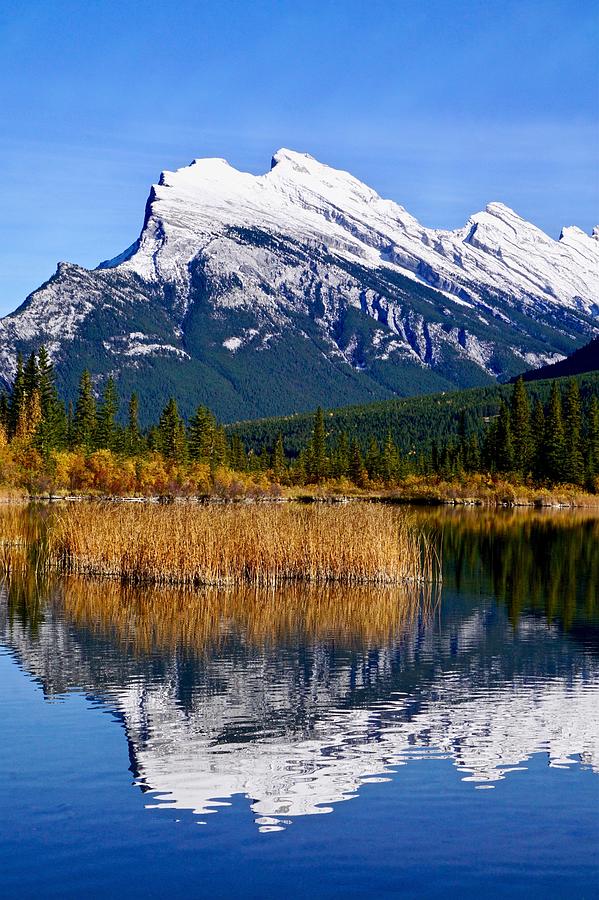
point(529, 561)
point(24, 532)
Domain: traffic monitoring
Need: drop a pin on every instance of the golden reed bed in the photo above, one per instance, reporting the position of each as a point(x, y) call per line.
point(192, 544)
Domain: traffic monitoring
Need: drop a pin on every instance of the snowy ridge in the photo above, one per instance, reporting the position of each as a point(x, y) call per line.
point(306, 262)
point(496, 248)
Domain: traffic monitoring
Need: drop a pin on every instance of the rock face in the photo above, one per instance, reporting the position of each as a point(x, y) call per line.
point(268, 294)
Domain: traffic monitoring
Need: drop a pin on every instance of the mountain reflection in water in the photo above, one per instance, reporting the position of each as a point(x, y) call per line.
point(294, 698)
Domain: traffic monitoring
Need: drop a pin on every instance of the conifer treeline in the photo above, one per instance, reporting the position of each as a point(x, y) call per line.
point(556, 442)
point(32, 412)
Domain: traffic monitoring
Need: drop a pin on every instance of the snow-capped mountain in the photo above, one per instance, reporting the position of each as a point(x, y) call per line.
point(268, 294)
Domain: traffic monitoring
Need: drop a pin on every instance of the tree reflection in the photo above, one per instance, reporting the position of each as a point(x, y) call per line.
point(530, 562)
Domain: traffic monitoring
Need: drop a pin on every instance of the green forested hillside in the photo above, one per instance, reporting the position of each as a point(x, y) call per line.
point(414, 423)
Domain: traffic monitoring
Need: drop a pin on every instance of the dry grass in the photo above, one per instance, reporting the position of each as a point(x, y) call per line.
point(192, 544)
point(266, 554)
point(12, 494)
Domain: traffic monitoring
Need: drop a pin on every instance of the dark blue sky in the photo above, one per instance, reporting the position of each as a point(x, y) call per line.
point(441, 106)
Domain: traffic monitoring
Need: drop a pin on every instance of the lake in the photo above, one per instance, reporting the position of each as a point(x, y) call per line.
point(312, 741)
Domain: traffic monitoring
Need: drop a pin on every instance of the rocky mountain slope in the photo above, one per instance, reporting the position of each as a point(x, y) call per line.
point(267, 294)
point(585, 359)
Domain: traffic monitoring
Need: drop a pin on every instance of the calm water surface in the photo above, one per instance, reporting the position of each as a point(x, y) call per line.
point(312, 742)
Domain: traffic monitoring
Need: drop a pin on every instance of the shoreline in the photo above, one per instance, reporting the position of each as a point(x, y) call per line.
point(549, 500)
point(482, 491)
point(456, 503)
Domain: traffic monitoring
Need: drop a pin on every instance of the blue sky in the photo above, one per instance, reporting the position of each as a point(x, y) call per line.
point(442, 106)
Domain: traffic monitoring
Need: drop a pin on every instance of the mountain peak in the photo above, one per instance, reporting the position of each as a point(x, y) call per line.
point(496, 208)
point(292, 157)
point(309, 201)
point(500, 212)
point(499, 227)
point(268, 293)
point(197, 170)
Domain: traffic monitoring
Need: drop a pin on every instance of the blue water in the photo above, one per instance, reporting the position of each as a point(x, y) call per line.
point(452, 754)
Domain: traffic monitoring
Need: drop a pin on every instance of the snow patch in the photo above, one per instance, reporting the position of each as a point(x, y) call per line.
point(233, 343)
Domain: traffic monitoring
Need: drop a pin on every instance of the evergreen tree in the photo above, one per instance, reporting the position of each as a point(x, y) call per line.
point(263, 459)
point(458, 460)
point(318, 448)
point(254, 463)
point(538, 428)
point(70, 425)
point(520, 425)
point(105, 435)
point(278, 458)
point(153, 439)
point(84, 419)
point(593, 443)
point(373, 460)
point(52, 430)
point(555, 445)
point(463, 442)
point(301, 467)
point(47, 387)
point(202, 432)
point(133, 439)
point(504, 452)
point(573, 460)
point(238, 455)
point(435, 462)
point(389, 461)
point(171, 438)
point(357, 470)
point(220, 449)
point(31, 375)
point(341, 455)
point(447, 459)
point(594, 428)
point(472, 461)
